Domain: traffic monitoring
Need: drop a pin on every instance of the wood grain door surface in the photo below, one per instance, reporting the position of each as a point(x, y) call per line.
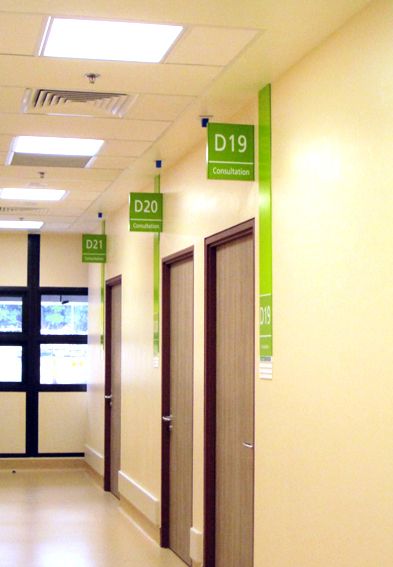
point(180, 406)
point(115, 387)
point(234, 403)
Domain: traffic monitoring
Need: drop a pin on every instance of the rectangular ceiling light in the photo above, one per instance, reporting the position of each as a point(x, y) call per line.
point(16, 194)
point(56, 146)
point(23, 225)
point(108, 40)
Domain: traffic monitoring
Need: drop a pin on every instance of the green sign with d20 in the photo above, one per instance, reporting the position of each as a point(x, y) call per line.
point(94, 248)
point(230, 152)
point(146, 212)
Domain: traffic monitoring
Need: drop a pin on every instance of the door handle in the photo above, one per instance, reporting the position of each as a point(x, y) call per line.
point(248, 445)
point(167, 418)
point(108, 397)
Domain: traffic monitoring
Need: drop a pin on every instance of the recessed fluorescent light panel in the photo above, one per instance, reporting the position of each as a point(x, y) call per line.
point(23, 225)
point(108, 40)
point(56, 146)
point(16, 194)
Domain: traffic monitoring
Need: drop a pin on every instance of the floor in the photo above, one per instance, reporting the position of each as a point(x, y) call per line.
point(64, 519)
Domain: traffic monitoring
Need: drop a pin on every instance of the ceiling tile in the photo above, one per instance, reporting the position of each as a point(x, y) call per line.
point(109, 162)
point(64, 174)
point(21, 34)
point(53, 226)
point(82, 127)
point(5, 141)
point(123, 148)
point(115, 76)
point(159, 107)
point(10, 98)
point(210, 46)
point(82, 196)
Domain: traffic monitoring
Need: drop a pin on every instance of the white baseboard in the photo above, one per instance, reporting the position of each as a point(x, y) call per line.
point(95, 460)
point(196, 545)
point(139, 497)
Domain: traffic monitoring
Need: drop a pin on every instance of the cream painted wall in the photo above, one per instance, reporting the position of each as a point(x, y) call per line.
point(324, 424)
point(62, 422)
point(95, 398)
point(57, 251)
point(13, 253)
point(324, 434)
point(12, 422)
point(194, 208)
point(197, 208)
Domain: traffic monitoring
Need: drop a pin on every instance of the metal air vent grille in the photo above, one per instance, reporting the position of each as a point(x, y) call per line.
point(22, 211)
point(49, 101)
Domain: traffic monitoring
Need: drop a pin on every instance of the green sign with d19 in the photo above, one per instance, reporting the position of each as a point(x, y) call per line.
point(94, 248)
point(230, 152)
point(146, 212)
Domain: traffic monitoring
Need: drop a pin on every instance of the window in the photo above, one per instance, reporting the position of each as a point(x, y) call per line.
point(63, 364)
point(64, 314)
point(43, 343)
point(11, 314)
point(11, 363)
point(63, 349)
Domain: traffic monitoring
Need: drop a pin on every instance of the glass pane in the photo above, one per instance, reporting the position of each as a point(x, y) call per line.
point(64, 315)
point(10, 314)
point(11, 364)
point(63, 364)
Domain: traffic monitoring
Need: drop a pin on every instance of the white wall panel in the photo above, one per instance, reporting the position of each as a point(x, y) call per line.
point(12, 422)
point(13, 253)
point(62, 422)
point(61, 261)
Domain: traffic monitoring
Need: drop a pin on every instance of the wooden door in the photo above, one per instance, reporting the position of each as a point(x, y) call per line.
point(178, 324)
point(229, 464)
point(112, 385)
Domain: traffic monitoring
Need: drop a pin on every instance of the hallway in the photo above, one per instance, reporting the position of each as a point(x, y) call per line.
point(55, 518)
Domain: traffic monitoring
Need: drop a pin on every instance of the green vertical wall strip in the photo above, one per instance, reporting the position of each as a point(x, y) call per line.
point(156, 284)
point(102, 340)
point(265, 226)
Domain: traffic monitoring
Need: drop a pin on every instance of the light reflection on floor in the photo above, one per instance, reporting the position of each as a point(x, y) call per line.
point(63, 519)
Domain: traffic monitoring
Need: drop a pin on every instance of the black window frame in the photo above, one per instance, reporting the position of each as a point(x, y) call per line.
point(16, 338)
point(62, 339)
point(31, 339)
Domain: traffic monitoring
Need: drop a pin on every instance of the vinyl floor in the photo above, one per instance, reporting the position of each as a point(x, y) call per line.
point(58, 518)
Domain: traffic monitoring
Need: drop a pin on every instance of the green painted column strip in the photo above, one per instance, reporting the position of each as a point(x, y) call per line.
point(156, 284)
point(265, 226)
point(102, 339)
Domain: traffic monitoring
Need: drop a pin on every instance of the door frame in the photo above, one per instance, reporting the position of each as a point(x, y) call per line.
point(241, 230)
point(167, 263)
point(109, 285)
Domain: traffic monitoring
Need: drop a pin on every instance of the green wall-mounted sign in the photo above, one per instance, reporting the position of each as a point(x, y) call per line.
point(94, 248)
point(146, 212)
point(156, 284)
point(230, 152)
point(265, 233)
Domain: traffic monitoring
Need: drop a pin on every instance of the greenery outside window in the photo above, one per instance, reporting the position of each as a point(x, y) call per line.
point(11, 317)
point(64, 314)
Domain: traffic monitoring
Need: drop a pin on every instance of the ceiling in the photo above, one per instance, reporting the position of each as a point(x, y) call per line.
point(227, 52)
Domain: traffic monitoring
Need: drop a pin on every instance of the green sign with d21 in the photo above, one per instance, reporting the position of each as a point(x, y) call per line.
point(146, 212)
point(230, 152)
point(94, 248)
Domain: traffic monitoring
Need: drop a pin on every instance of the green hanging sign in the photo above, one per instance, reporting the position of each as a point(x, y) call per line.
point(94, 248)
point(146, 212)
point(230, 152)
